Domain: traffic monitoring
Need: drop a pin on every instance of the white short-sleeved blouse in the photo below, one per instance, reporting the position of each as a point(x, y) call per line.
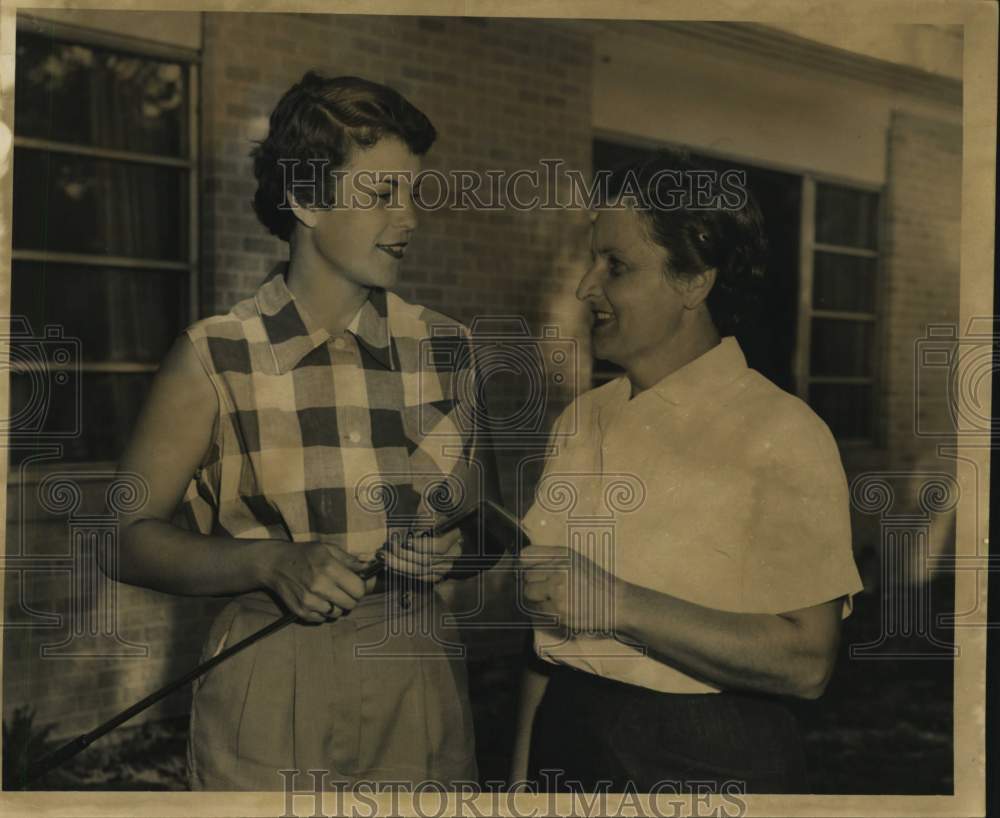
point(714, 486)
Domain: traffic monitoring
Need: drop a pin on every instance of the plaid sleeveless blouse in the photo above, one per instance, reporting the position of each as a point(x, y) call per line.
point(334, 439)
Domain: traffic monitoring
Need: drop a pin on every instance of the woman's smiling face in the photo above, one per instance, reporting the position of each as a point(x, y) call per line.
point(365, 243)
point(637, 308)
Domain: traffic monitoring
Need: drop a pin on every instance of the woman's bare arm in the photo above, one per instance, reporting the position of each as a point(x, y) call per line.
point(790, 653)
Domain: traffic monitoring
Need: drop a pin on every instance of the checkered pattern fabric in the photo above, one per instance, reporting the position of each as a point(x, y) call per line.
point(334, 439)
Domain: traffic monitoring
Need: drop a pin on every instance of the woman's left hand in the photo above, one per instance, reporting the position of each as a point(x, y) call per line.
point(562, 582)
point(426, 558)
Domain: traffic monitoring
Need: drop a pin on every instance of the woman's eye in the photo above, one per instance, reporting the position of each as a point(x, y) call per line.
point(615, 267)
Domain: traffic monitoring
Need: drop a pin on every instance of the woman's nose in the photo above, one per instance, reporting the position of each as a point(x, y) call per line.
point(590, 284)
point(405, 217)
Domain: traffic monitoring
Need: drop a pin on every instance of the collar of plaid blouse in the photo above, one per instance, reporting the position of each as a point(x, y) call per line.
point(293, 333)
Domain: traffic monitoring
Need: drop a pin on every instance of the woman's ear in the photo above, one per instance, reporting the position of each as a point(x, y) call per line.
point(697, 288)
point(305, 216)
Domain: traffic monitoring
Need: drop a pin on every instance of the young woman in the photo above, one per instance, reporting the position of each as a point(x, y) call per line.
point(298, 433)
point(731, 563)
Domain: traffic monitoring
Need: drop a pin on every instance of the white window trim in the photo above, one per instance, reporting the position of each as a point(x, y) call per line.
point(806, 313)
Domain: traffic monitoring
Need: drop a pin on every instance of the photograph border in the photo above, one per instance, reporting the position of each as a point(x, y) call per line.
point(976, 292)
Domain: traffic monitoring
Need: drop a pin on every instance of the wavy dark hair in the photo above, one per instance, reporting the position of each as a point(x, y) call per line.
point(727, 235)
point(326, 118)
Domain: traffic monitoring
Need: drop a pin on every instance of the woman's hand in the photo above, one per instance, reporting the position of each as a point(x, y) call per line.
point(316, 581)
point(426, 558)
point(563, 582)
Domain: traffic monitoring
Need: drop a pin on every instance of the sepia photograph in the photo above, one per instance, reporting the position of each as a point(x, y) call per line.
point(553, 410)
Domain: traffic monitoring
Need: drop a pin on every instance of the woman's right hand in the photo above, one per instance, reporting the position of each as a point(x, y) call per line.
point(316, 581)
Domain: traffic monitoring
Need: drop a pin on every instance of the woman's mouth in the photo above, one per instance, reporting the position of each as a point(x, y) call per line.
point(396, 250)
point(602, 319)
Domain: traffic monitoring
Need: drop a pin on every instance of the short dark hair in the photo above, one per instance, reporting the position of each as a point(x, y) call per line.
point(326, 118)
point(727, 236)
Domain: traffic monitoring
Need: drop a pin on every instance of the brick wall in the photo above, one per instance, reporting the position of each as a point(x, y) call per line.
point(502, 94)
point(922, 274)
point(77, 647)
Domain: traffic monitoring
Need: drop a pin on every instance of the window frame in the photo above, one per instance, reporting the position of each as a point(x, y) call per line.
point(190, 60)
point(808, 246)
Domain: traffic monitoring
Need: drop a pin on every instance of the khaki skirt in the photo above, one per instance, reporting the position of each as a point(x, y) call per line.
point(380, 694)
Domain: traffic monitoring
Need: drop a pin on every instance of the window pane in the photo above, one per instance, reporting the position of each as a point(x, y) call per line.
point(844, 282)
point(841, 347)
point(67, 92)
point(847, 217)
point(110, 404)
point(76, 204)
point(846, 408)
point(118, 314)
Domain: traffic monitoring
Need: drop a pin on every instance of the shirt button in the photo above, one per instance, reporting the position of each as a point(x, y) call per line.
point(339, 344)
point(354, 437)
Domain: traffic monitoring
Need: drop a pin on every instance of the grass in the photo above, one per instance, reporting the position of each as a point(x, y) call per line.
point(146, 757)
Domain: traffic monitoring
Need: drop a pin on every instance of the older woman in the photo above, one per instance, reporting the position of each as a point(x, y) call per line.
point(670, 640)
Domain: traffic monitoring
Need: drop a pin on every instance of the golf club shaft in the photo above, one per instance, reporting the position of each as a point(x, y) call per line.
point(79, 744)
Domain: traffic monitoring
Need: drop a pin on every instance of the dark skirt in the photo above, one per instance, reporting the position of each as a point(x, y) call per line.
point(591, 732)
